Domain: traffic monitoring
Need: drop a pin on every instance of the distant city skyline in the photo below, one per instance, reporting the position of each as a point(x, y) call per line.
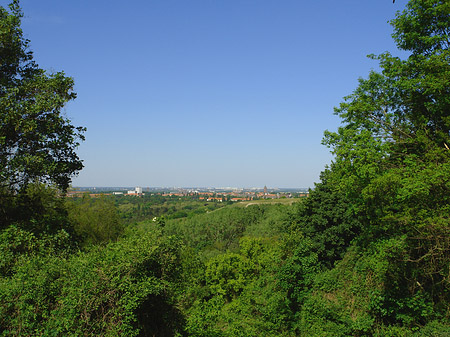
point(188, 188)
point(207, 93)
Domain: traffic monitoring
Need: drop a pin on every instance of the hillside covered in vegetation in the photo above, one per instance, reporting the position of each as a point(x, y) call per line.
point(366, 254)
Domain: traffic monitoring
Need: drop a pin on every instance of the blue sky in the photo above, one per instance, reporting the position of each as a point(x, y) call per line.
point(207, 92)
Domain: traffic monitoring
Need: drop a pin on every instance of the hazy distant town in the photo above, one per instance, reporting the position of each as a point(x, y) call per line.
point(203, 193)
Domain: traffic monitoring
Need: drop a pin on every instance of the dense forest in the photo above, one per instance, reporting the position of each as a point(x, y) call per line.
point(366, 254)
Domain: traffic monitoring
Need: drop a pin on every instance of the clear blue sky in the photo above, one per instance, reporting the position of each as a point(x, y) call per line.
point(207, 92)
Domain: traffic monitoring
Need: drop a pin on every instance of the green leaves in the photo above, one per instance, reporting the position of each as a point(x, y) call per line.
point(392, 165)
point(119, 290)
point(226, 274)
point(96, 221)
point(423, 27)
point(36, 141)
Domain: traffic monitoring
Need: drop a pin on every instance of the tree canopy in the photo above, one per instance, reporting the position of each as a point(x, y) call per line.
point(392, 156)
point(37, 141)
point(400, 116)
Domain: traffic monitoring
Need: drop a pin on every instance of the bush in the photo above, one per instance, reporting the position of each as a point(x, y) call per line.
point(122, 289)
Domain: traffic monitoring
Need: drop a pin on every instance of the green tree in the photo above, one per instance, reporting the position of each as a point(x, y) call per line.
point(95, 220)
point(37, 142)
point(392, 159)
point(328, 220)
point(402, 112)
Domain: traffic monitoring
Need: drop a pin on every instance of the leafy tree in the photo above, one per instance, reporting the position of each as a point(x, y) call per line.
point(95, 220)
point(401, 113)
point(392, 159)
point(37, 142)
point(37, 208)
point(328, 220)
point(241, 294)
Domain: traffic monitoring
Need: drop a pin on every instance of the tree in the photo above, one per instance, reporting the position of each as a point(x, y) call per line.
point(37, 142)
point(327, 221)
point(404, 109)
point(392, 155)
point(94, 220)
point(397, 122)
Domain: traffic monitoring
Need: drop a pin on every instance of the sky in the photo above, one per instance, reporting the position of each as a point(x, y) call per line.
point(211, 93)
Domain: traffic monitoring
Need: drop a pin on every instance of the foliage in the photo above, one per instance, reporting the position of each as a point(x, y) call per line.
point(296, 275)
point(37, 147)
point(94, 220)
point(392, 164)
point(328, 220)
point(125, 288)
point(17, 244)
point(37, 208)
point(152, 205)
point(35, 224)
point(242, 295)
point(219, 230)
point(36, 141)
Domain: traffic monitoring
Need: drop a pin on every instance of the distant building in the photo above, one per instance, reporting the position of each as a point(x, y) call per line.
point(136, 191)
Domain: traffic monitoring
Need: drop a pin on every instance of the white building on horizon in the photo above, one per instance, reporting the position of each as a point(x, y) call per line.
point(136, 191)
